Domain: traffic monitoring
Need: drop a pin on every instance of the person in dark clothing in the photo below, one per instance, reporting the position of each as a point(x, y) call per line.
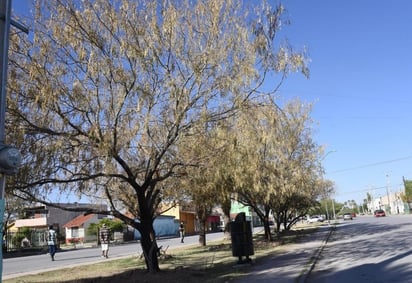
point(182, 232)
point(51, 241)
point(104, 236)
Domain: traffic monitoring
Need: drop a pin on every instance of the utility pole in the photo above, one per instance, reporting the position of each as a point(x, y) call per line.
point(10, 158)
point(373, 200)
point(387, 194)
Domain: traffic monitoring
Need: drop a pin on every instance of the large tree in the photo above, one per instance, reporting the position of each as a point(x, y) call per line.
point(277, 162)
point(298, 166)
point(103, 93)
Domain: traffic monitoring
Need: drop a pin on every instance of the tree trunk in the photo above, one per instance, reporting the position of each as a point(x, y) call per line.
point(285, 219)
point(266, 225)
point(226, 206)
point(149, 246)
point(278, 223)
point(202, 233)
point(268, 235)
point(202, 216)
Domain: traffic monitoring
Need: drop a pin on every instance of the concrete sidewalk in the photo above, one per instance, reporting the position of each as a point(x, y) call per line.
point(291, 264)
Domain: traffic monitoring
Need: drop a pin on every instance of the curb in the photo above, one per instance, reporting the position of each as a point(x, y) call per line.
point(305, 274)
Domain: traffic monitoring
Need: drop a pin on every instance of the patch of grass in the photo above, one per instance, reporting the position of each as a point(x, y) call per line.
point(212, 263)
point(106, 268)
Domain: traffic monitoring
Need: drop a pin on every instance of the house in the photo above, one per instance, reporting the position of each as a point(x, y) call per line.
point(237, 207)
point(38, 218)
point(42, 216)
point(185, 213)
point(76, 229)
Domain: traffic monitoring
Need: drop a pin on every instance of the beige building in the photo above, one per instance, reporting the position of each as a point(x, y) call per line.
point(391, 203)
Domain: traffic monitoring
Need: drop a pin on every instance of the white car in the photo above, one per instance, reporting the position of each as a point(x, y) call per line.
point(347, 216)
point(314, 219)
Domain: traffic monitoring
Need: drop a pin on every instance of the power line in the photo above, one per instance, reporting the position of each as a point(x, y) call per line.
point(370, 165)
point(367, 190)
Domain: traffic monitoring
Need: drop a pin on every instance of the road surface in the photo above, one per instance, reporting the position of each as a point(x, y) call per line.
point(367, 249)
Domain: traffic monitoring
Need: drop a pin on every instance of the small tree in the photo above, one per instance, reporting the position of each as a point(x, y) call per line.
point(407, 195)
point(114, 225)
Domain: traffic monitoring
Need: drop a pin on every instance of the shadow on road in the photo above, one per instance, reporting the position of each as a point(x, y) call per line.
point(368, 252)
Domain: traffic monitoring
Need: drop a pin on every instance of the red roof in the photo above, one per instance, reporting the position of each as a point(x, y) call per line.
point(78, 221)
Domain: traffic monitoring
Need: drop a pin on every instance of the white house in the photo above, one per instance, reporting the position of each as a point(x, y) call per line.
point(77, 227)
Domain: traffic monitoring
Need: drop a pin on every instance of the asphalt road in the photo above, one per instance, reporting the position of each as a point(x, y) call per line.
point(14, 267)
point(367, 249)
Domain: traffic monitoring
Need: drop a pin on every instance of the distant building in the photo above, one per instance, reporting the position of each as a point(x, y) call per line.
point(42, 216)
point(185, 213)
point(391, 203)
point(237, 207)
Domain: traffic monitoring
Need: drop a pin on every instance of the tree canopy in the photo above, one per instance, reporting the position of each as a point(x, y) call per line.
point(104, 94)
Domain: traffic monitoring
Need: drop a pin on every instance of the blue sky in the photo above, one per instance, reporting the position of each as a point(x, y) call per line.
point(360, 85)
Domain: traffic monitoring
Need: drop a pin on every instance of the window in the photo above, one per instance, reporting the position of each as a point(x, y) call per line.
point(75, 232)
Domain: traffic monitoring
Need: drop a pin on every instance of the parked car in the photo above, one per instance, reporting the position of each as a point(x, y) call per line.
point(347, 216)
point(379, 213)
point(314, 219)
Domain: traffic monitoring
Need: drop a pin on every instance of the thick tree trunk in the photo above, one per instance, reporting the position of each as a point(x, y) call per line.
point(149, 246)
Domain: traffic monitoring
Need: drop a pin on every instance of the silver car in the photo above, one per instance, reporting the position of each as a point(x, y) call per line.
point(347, 216)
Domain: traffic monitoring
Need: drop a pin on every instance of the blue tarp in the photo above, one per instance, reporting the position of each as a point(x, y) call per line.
point(164, 226)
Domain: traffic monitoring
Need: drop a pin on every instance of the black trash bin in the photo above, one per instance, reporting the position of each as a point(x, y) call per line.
point(242, 241)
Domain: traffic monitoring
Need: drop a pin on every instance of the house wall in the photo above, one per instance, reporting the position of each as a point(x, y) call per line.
point(82, 231)
point(213, 223)
point(78, 236)
point(174, 211)
point(185, 214)
point(58, 217)
point(237, 207)
point(188, 219)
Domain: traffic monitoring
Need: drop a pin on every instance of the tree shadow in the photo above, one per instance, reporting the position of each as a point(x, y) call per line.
point(368, 252)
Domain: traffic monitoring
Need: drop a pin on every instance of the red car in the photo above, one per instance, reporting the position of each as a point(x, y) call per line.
point(379, 213)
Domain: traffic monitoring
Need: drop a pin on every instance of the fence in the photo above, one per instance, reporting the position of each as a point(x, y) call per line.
point(20, 241)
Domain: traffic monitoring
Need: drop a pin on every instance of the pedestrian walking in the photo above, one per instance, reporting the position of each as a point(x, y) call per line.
point(51, 241)
point(182, 232)
point(104, 236)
